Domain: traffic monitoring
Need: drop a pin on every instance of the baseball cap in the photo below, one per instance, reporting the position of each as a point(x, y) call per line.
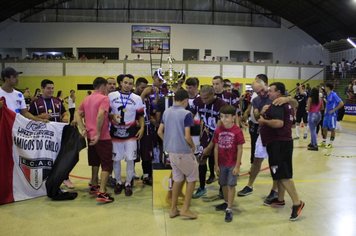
point(8, 72)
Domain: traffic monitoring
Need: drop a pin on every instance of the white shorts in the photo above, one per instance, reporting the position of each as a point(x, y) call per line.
point(126, 150)
point(260, 150)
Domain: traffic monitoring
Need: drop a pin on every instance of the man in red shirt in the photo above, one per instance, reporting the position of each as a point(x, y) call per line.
point(95, 109)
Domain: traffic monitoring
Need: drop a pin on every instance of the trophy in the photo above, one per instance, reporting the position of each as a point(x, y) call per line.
point(171, 78)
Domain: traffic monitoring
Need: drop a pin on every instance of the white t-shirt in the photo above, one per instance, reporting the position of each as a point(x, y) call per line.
point(354, 88)
point(15, 100)
point(71, 104)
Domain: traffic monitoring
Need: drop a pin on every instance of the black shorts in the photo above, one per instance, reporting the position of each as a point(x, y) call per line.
point(280, 159)
point(301, 115)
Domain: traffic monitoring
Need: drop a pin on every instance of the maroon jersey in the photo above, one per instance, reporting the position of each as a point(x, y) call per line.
point(269, 134)
point(229, 98)
point(227, 141)
point(52, 106)
point(210, 115)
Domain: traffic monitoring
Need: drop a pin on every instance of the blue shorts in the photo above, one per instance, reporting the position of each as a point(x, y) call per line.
point(226, 178)
point(329, 122)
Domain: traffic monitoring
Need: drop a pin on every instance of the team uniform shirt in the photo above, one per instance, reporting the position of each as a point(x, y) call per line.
point(332, 100)
point(195, 130)
point(210, 115)
point(269, 134)
point(52, 106)
point(302, 102)
point(229, 98)
point(227, 141)
point(130, 107)
point(90, 107)
point(15, 100)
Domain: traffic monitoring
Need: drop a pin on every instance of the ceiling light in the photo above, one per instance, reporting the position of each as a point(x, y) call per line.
point(351, 42)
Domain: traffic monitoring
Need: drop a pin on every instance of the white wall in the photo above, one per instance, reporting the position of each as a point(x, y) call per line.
point(285, 44)
point(349, 55)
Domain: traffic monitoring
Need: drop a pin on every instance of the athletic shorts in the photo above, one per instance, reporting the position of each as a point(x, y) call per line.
point(260, 150)
point(301, 115)
point(101, 154)
point(125, 150)
point(280, 159)
point(329, 122)
point(226, 178)
point(184, 166)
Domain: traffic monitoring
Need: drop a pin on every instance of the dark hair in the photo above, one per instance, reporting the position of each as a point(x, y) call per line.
point(45, 82)
point(218, 77)
point(228, 110)
point(98, 82)
point(180, 95)
point(120, 78)
point(279, 87)
point(192, 81)
point(227, 81)
point(71, 91)
point(141, 80)
point(263, 77)
point(59, 93)
point(128, 76)
point(329, 85)
point(314, 95)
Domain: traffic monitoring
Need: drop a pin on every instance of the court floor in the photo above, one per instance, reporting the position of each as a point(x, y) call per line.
point(325, 180)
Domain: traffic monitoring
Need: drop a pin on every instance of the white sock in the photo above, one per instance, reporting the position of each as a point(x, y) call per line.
point(306, 130)
point(297, 130)
point(129, 172)
point(117, 171)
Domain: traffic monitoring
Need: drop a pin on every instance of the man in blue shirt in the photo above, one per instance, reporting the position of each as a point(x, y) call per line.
point(333, 104)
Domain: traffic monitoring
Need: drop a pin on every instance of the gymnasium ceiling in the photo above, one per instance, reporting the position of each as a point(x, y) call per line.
point(330, 22)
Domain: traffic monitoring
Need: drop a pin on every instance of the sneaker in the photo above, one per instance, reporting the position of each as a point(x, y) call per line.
point(228, 216)
point(310, 145)
point(111, 182)
point(322, 144)
point(128, 190)
point(272, 195)
point(68, 184)
point(94, 189)
point(147, 181)
point(118, 188)
point(313, 148)
point(200, 192)
point(277, 203)
point(104, 198)
point(210, 180)
point(297, 211)
point(328, 146)
point(245, 191)
point(296, 138)
point(221, 207)
point(305, 136)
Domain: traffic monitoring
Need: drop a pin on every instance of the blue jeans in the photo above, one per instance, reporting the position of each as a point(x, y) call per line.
point(313, 120)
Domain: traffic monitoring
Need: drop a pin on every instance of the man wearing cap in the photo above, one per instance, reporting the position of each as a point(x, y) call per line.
point(15, 100)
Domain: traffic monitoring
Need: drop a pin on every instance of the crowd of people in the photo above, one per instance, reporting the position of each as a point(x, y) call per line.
point(127, 119)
